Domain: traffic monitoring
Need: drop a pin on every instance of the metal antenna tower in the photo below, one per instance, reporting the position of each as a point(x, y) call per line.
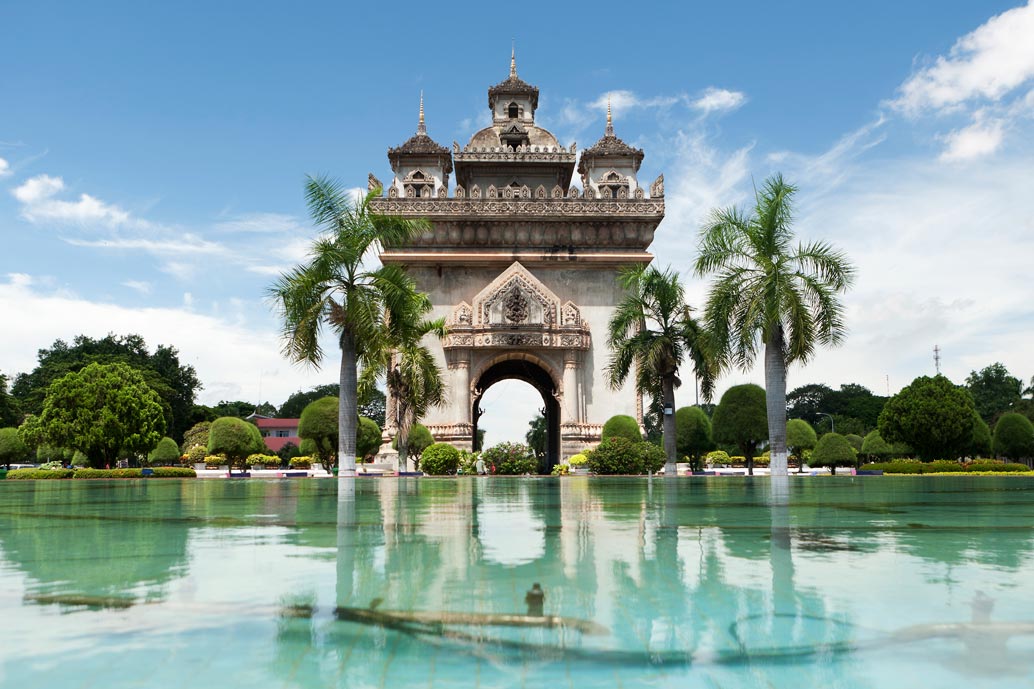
point(937, 358)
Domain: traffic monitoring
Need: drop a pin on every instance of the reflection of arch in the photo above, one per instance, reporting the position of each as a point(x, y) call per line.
point(532, 370)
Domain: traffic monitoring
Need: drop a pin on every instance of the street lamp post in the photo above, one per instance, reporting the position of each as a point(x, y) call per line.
point(832, 425)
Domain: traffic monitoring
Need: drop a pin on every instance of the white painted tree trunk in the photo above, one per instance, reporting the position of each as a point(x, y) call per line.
point(775, 401)
point(347, 412)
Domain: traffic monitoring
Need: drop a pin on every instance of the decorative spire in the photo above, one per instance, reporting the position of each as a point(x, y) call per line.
point(610, 121)
point(420, 127)
point(513, 60)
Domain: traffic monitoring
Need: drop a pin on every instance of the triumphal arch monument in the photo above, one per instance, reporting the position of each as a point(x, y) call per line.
point(522, 261)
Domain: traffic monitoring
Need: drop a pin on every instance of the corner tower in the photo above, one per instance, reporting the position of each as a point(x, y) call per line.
point(523, 264)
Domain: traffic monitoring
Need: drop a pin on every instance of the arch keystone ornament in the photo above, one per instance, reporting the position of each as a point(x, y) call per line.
point(523, 265)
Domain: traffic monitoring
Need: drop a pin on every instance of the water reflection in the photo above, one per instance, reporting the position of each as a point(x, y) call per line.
point(698, 582)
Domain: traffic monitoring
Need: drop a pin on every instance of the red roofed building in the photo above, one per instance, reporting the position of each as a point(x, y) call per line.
point(278, 432)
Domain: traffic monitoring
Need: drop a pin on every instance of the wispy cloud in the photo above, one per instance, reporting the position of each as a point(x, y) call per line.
point(139, 286)
point(977, 140)
point(184, 244)
point(718, 100)
point(988, 63)
point(39, 204)
point(260, 223)
point(5, 168)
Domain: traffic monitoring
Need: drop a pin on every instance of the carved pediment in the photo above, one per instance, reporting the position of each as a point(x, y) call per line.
point(501, 299)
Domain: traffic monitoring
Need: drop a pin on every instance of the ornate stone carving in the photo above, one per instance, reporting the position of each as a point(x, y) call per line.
point(572, 192)
point(623, 193)
point(525, 192)
point(657, 188)
point(586, 207)
point(443, 193)
point(507, 192)
point(589, 193)
point(558, 192)
point(462, 314)
point(639, 193)
point(540, 192)
point(515, 306)
point(460, 191)
point(475, 192)
point(493, 193)
point(393, 192)
point(570, 315)
point(373, 183)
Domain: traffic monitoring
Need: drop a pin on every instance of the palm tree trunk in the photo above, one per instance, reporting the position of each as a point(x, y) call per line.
point(668, 402)
point(347, 412)
point(775, 400)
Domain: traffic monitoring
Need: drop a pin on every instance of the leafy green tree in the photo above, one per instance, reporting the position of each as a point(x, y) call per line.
point(373, 405)
point(875, 448)
point(652, 332)
point(103, 410)
point(293, 405)
point(368, 438)
point(336, 289)
point(741, 419)
point(1014, 437)
point(176, 384)
point(420, 439)
point(981, 445)
point(855, 440)
point(769, 292)
point(48, 453)
point(800, 436)
point(166, 452)
point(933, 416)
point(237, 408)
point(621, 426)
point(197, 435)
point(834, 450)
point(693, 434)
point(287, 452)
point(994, 390)
point(12, 448)
point(235, 438)
point(10, 415)
point(319, 423)
point(537, 436)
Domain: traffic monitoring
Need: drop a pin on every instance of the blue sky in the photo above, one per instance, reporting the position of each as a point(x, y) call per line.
point(152, 156)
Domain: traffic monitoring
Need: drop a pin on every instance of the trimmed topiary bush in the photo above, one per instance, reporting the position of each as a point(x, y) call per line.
point(800, 437)
point(514, 459)
point(25, 474)
point(622, 426)
point(615, 455)
point(318, 424)
point(440, 459)
point(301, 462)
point(288, 452)
point(262, 459)
point(718, 457)
point(578, 460)
point(874, 447)
point(235, 438)
point(167, 452)
point(367, 438)
point(693, 434)
point(855, 440)
point(197, 454)
point(1014, 436)
point(833, 450)
point(419, 440)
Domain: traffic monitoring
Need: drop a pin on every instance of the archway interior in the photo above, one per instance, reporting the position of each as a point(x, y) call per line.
point(538, 378)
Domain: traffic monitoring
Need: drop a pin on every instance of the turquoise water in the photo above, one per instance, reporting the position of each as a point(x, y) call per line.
point(710, 582)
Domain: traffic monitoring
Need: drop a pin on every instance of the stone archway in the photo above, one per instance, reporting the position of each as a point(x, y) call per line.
point(535, 372)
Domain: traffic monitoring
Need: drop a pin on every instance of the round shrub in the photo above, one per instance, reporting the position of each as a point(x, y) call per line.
point(718, 457)
point(981, 446)
point(318, 423)
point(419, 440)
point(235, 438)
point(440, 459)
point(367, 438)
point(651, 457)
point(622, 426)
point(261, 459)
point(800, 436)
point(1014, 436)
point(855, 440)
point(514, 459)
point(616, 456)
point(197, 454)
point(300, 462)
point(875, 447)
point(578, 460)
point(307, 448)
point(692, 433)
point(167, 452)
point(833, 450)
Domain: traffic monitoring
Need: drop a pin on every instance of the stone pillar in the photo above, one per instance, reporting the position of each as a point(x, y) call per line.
point(460, 397)
point(571, 403)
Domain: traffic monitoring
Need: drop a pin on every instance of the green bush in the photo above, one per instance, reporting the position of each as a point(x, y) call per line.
point(992, 465)
point(833, 450)
point(718, 457)
point(167, 452)
point(912, 466)
point(855, 440)
point(235, 438)
point(578, 460)
point(511, 459)
point(419, 440)
point(692, 434)
point(261, 459)
point(615, 455)
point(622, 426)
point(12, 448)
point(288, 452)
point(318, 424)
point(197, 454)
point(367, 438)
point(157, 472)
point(875, 447)
point(20, 474)
point(79, 459)
point(300, 462)
point(1014, 436)
point(440, 459)
point(467, 463)
point(651, 457)
point(174, 472)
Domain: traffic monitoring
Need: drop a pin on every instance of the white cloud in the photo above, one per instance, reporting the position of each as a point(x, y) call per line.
point(5, 168)
point(261, 223)
point(622, 101)
point(988, 63)
point(39, 205)
point(138, 286)
point(245, 364)
point(977, 140)
point(718, 100)
point(187, 243)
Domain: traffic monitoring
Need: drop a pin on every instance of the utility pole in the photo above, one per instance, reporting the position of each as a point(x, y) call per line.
point(937, 358)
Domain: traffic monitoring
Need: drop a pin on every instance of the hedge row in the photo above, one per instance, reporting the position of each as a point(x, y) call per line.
point(911, 466)
point(158, 472)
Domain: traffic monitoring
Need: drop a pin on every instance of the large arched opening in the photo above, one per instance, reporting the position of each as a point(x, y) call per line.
point(530, 371)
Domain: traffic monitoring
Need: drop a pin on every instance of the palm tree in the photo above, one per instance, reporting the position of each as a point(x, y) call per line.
point(336, 288)
point(409, 368)
point(652, 330)
point(769, 291)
